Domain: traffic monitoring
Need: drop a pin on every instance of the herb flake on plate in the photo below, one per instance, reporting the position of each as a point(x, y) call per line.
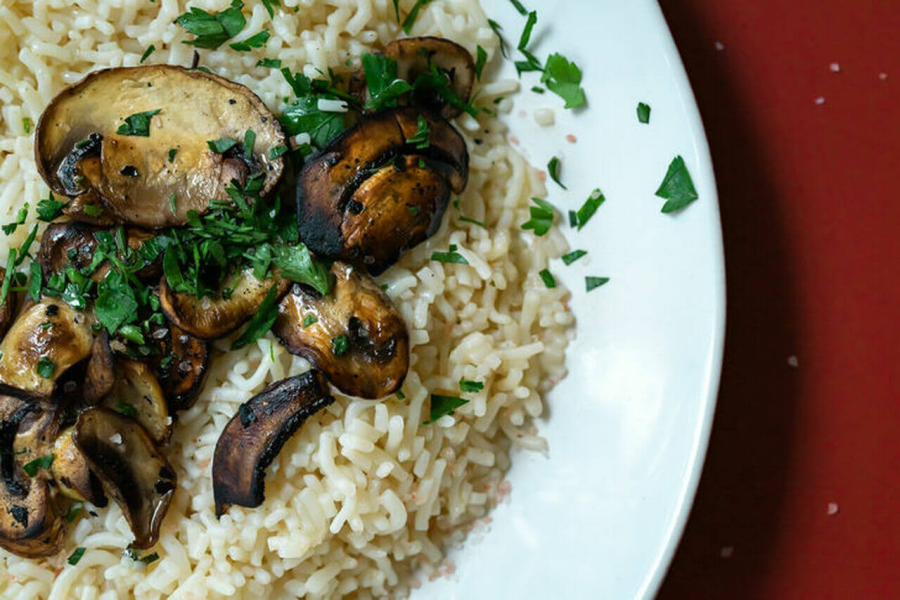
point(643, 112)
point(677, 188)
point(443, 405)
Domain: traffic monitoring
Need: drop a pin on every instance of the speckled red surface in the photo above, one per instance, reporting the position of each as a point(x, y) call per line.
point(810, 199)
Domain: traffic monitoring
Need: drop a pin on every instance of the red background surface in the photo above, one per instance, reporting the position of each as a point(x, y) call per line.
point(811, 218)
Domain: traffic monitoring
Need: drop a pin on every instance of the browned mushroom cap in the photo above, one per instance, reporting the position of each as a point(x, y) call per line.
point(375, 358)
point(133, 472)
point(212, 317)
point(74, 244)
point(81, 154)
point(100, 374)
point(72, 474)
point(7, 309)
point(35, 354)
point(137, 394)
point(30, 525)
point(409, 188)
point(414, 57)
point(186, 368)
point(254, 436)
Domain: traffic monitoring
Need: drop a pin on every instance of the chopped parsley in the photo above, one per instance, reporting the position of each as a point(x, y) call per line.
point(422, 138)
point(309, 320)
point(537, 89)
point(303, 114)
point(573, 256)
point(150, 50)
point(125, 409)
point(26, 124)
point(249, 142)
point(396, 10)
point(480, 61)
point(19, 220)
point(34, 289)
point(451, 256)
point(270, 5)
point(541, 217)
point(76, 556)
point(472, 221)
point(269, 63)
point(526, 33)
point(45, 367)
point(519, 7)
point(443, 405)
point(137, 124)
point(643, 112)
point(212, 30)
point(131, 553)
point(255, 41)
point(382, 81)
point(470, 387)
point(262, 320)
point(92, 210)
point(172, 152)
point(340, 345)
point(563, 78)
point(221, 145)
point(677, 187)
point(277, 152)
point(548, 279)
point(410, 19)
point(74, 511)
point(588, 209)
point(553, 170)
point(497, 29)
point(37, 464)
point(591, 283)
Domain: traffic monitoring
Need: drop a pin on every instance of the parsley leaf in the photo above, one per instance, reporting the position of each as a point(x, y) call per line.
point(20, 219)
point(277, 152)
point(340, 345)
point(519, 7)
point(309, 319)
point(541, 217)
point(45, 367)
point(553, 170)
point(269, 63)
point(73, 511)
point(150, 50)
point(137, 124)
point(34, 466)
point(443, 405)
point(643, 112)
point(422, 138)
point(212, 30)
point(249, 142)
point(677, 187)
point(296, 263)
point(26, 124)
point(125, 409)
point(397, 10)
point(472, 221)
point(92, 210)
point(526, 33)
point(131, 553)
point(548, 278)
point(270, 5)
point(261, 321)
point(480, 61)
point(303, 116)
point(382, 82)
point(255, 41)
point(413, 15)
point(497, 29)
point(116, 303)
point(221, 145)
point(591, 283)
point(451, 256)
point(563, 78)
point(172, 152)
point(470, 386)
point(34, 289)
point(76, 556)
point(589, 207)
point(573, 256)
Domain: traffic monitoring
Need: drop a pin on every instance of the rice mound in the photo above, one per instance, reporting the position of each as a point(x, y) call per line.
point(364, 499)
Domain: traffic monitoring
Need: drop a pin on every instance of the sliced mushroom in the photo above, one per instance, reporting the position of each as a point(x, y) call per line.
point(136, 393)
point(254, 436)
point(370, 195)
point(133, 472)
point(74, 244)
point(354, 334)
point(130, 178)
point(8, 308)
point(414, 57)
point(213, 317)
point(100, 374)
point(45, 340)
point(30, 525)
point(72, 474)
point(187, 364)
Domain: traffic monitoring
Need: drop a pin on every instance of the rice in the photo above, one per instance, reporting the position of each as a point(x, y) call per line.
point(364, 500)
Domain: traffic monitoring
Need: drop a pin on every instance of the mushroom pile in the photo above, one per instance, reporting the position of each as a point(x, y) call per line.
point(136, 155)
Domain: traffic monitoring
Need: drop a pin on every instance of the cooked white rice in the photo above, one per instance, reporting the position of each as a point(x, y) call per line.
point(364, 499)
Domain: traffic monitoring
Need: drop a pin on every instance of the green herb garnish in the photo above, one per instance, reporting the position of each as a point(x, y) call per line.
point(309, 320)
point(553, 170)
point(269, 63)
point(472, 221)
point(541, 217)
point(150, 50)
point(277, 152)
point(470, 386)
point(212, 30)
point(480, 61)
point(50, 208)
point(262, 320)
point(676, 187)
point(443, 405)
point(537, 89)
point(573, 256)
point(74, 511)
point(270, 5)
point(519, 7)
point(548, 278)
point(37, 464)
point(19, 220)
point(591, 283)
point(497, 29)
point(563, 78)
point(340, 345)
point(255, 41)
point(422, 138)
point(45, 367)
point(137, 124)
point(382, 81)
point(221, 145)
point(589, 207)
point(76, 556)
point(410, 19)
point(172, 152)
point(451, 256)
point(92, 210)
point(526, 33)
point(126, 409)
point(643, 112)
point(26, 124)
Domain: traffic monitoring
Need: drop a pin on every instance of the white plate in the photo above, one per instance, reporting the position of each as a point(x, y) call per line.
point(600, 517)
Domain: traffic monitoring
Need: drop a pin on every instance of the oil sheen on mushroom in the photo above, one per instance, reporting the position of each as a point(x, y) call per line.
point(254, 436)
point(354, 334)
point(81, 153)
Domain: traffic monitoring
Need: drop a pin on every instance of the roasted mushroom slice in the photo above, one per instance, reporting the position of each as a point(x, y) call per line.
point(185, 368)
point(100, 374)
point(125, 140)
point(133, 472)
point(415, 57)
point(409, 186)
point(47, 338)
point(137, 394)
point(30, 525)
point(7, 308)
point(74, 244)
point(354, 334)
point(254, 436)
point(213, 317)
point(72, 474)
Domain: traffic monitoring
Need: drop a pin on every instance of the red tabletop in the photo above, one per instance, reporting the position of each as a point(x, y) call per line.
point(800, 495)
